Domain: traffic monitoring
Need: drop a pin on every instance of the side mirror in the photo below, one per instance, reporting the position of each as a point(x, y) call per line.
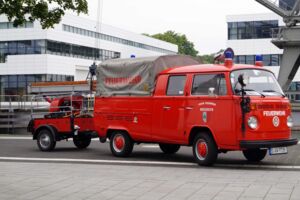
point(211, 91)
point(242, 80)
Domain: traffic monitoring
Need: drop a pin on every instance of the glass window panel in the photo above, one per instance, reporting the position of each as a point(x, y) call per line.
point(250, 60)
point(3, 25)
point(21, 84)
point(242, 59)
point(21, 78)
point(30, 78)
point(267, 60)
point(21, 47)
point(29, 25)
point(176, 85)
point(203, 83)
point(12, 78)
point(11, 25)
point(12, 48)
point(274, 60)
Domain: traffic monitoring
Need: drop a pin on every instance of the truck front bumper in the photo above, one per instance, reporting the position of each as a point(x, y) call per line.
point(267, 143)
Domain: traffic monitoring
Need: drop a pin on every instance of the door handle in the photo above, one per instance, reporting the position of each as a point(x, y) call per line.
point(189, 108)
point(166, 107)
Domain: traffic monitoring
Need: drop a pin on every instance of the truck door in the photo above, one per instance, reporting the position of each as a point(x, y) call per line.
point(212, 107)
point(168, 118)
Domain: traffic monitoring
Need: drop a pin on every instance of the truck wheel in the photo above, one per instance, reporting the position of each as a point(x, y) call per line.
point(169, 148)
point(121, 144)
point(255, 155)
point(82, 142)
point(205, 150)
point(45, 140)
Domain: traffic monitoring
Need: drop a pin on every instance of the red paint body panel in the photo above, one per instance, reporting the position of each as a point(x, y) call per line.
point(63, 125)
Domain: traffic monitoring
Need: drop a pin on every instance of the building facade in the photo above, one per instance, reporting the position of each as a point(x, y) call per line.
point(30, 54)
point(250, 35)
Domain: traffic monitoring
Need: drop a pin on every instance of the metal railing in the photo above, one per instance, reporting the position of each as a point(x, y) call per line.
point(74, 104)
point(18, 101)
point(277, 33)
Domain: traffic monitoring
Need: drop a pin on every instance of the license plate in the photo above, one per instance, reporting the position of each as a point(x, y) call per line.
point(278, 150)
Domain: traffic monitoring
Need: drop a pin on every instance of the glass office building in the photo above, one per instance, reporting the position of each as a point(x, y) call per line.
point(31, 54)
point(251, 35)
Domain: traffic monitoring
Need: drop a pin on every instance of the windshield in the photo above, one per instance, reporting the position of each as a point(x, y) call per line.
point(258, 82)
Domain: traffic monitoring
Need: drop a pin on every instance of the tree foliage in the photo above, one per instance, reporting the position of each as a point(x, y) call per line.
point(185, 46)
point(48, 12)
point(207, 59)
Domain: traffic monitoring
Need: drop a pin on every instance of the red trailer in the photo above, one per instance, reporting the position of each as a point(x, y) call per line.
point(69, 116)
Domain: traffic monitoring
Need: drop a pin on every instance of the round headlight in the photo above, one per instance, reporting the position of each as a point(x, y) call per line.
point(252, 122)
point(289, 122)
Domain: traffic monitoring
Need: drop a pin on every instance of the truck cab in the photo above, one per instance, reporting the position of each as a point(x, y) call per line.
point(213, 108)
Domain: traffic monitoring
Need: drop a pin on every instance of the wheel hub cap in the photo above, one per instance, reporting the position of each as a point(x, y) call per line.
point(119, 143)
point(201, 150)
point(45, 140)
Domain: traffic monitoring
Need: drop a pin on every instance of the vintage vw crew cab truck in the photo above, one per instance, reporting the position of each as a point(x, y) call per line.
point(212, 108)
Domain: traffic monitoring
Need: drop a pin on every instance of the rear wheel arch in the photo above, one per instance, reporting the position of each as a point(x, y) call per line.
point(52, 129)
point(200, 130)
point(111, 131)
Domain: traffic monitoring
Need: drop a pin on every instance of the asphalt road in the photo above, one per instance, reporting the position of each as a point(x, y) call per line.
point(26, 148)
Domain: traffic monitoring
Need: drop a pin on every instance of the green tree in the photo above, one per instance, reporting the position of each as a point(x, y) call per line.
point(185, 46)
point(20, 11)
point(207, 59)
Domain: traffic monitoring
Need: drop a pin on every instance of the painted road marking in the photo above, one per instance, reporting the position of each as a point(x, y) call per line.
point(150, 146)
point(97, 161)
point(95, 139)
point(30, 138)
point(152, 163)
point(15, 138)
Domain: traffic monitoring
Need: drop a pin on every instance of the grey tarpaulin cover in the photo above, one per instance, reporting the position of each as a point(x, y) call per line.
point(135, 76)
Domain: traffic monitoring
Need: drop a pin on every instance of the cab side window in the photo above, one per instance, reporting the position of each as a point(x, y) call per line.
point(209, 83)
point(176, 85)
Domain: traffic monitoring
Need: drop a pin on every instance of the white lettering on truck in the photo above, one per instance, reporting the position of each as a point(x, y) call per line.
point(273, 113)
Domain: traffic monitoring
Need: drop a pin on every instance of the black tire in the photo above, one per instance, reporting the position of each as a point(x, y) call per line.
point(121, 145)
point(255, 155)
point(82, 142)
point(205, 150)
point(169, 148)
point(45, 140)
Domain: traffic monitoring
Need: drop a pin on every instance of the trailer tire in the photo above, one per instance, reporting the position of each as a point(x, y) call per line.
point(169, 148)
point(121, 145)
point(255, 155)
point(82, 142)
point(45, 140)
point(205, 150)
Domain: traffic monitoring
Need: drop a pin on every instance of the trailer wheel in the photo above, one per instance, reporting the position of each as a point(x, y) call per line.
point(121, 144)
point(169, 148)
point(255, 155)
point(205, 150)
point(82, 142)
point(45, 140)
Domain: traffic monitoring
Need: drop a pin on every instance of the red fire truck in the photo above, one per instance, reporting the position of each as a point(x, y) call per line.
point(212, 108)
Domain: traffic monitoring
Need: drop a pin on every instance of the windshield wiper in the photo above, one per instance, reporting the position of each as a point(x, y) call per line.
point(261, 94)
point(283, 95)
point(250, 90)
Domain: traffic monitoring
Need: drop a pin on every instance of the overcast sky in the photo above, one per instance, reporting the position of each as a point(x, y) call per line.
point(203, 21)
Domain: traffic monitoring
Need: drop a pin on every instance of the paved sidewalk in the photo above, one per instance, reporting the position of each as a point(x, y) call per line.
point(44, 181)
